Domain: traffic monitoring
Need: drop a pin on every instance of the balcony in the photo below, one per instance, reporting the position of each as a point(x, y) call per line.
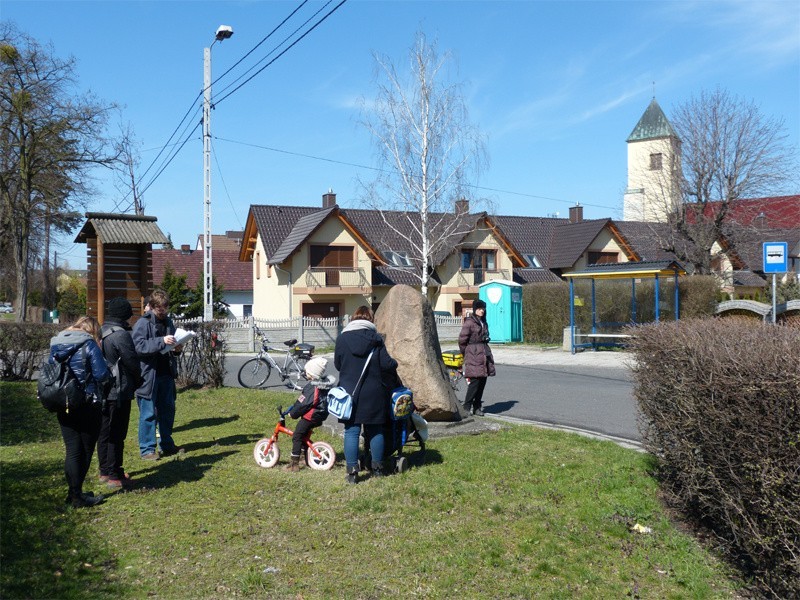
point(336, 279)
point(469, 278)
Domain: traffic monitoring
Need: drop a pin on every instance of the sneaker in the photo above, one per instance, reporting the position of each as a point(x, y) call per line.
point(173, 452)
point(103, 478)
point(477, 412)
point(150, 456)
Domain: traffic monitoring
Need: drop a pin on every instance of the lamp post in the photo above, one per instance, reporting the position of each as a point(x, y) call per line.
point(223, 33)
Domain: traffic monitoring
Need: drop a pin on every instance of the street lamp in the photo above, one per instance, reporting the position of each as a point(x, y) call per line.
point(223, 33)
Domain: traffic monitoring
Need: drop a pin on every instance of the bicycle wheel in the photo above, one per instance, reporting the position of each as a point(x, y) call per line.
point(266, 454)
point(326, 458)
point(254, 373)
point(455, 378)
point(295, 377)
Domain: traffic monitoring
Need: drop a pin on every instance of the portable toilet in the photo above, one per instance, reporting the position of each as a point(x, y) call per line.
point(503, 309)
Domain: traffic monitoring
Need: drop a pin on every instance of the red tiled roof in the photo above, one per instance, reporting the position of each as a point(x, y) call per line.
point(777, 212)
point(227, 270)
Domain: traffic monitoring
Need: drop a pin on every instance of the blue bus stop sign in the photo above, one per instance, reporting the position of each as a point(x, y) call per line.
point(776, 257)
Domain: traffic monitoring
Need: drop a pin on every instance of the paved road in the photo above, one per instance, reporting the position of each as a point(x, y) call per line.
point(589, 391)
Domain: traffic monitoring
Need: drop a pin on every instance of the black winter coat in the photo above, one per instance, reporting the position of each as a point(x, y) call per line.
point(478, 358)
point(118, 346)
point(372, 400)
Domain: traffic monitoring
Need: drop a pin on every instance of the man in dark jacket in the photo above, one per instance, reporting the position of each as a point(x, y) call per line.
point(359, 342)
point(117, 346)
point(154, 339)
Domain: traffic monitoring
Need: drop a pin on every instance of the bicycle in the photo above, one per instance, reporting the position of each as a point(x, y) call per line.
point(255, 372)
point(453, 361)
point(320, 456)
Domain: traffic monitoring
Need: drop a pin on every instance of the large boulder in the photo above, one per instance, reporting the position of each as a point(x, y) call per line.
point(405, 319)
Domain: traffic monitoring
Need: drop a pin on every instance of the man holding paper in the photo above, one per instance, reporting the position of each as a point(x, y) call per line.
point(154, 337)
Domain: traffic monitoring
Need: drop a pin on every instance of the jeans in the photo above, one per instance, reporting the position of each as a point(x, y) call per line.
point(474, 395)
point(373, 437)
point(158, 410)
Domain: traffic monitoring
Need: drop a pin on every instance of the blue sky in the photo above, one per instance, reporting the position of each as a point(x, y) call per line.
point(556, 87)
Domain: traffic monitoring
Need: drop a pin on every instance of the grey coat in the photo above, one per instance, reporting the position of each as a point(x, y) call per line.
point(149, 347)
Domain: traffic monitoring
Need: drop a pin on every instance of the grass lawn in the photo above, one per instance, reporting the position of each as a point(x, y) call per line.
point(521, 513)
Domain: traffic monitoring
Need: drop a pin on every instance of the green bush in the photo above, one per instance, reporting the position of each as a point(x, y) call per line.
point(545, 312)
point(720, 405)
point(23, 346)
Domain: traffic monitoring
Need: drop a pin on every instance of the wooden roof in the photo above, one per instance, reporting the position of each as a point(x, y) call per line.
point(112, 228)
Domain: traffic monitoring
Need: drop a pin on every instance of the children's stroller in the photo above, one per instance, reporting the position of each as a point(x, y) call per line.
point(401, 431)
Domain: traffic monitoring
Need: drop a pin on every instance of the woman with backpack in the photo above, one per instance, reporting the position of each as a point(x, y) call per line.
point(80, 425)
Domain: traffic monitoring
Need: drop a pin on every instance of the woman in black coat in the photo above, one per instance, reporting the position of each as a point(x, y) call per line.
point(372, 398)
point(473, 341)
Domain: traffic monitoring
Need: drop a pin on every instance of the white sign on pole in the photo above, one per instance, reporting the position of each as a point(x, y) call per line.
point(776, 257)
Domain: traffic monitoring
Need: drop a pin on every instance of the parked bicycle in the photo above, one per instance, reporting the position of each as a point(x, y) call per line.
point(453, 361)
point(319, 455)
point(255, 372)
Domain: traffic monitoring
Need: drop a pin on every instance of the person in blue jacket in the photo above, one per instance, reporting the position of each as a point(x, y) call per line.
point(154, 338)
point(372, 399)
point(80, 426)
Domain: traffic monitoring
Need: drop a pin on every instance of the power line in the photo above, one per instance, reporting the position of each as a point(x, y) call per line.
point(225, 185)
point(156, 176)
point(349, 164)
point(253, 49)
point(289, 47)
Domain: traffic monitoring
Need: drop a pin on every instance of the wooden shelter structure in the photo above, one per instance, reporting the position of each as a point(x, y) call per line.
point(601, 334)
point(119, 259)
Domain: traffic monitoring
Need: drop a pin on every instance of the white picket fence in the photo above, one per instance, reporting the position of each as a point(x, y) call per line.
point(240, 334)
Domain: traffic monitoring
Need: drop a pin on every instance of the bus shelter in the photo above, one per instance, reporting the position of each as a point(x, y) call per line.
point(606, 333)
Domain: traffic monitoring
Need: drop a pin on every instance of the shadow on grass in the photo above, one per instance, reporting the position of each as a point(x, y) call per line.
point(210, 422)
point(167, 473)
point(48, 551)
point(231, 440)
point(24, 420)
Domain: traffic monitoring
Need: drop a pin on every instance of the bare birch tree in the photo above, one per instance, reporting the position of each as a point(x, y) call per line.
point(428, 153)
point(50, 139)
point(730, 152)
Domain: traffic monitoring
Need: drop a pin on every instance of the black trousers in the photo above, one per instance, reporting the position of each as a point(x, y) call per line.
point(80, 429)
point(113, 431)
point(474, 397)
point(304, 426)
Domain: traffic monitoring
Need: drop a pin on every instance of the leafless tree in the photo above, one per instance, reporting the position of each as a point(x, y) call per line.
point(50, 140)
point(730, 152)
point(428, 152)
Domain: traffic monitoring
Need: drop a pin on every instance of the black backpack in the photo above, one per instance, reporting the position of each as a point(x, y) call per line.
point(57, 388)
point(115, 381)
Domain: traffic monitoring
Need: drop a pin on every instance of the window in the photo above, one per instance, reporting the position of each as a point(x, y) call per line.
point(603, 258)
point(655, 162)
point(332, 257)
point(247, 310)
point(258, 265)
point(485, 260)
point(398, 259)
point(533, 261)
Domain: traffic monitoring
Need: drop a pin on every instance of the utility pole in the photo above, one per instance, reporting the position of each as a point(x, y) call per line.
point(223, 33)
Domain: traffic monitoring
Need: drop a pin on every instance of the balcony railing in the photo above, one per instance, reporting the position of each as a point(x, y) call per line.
point(475, 277)
point(336, 277)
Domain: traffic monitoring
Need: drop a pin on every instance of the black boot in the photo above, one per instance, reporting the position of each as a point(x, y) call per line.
point(377, 469)
point(352, 475)
point(84, 500)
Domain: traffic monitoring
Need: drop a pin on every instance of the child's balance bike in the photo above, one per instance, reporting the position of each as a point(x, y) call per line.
point(319, 455)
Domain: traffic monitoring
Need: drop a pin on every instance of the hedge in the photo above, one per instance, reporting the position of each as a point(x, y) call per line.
point(720, 406)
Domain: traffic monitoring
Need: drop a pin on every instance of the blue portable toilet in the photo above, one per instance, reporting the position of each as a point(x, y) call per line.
point(503, 309)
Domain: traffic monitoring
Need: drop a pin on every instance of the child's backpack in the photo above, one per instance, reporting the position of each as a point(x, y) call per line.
point(57, 388)
point(402, 403)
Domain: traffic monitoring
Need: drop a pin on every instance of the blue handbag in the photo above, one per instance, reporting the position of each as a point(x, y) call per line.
point(340, 402)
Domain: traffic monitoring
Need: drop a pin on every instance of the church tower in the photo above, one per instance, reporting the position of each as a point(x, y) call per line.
point(654, 168)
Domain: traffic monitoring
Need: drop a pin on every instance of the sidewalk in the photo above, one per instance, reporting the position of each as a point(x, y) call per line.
point(521, 355)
